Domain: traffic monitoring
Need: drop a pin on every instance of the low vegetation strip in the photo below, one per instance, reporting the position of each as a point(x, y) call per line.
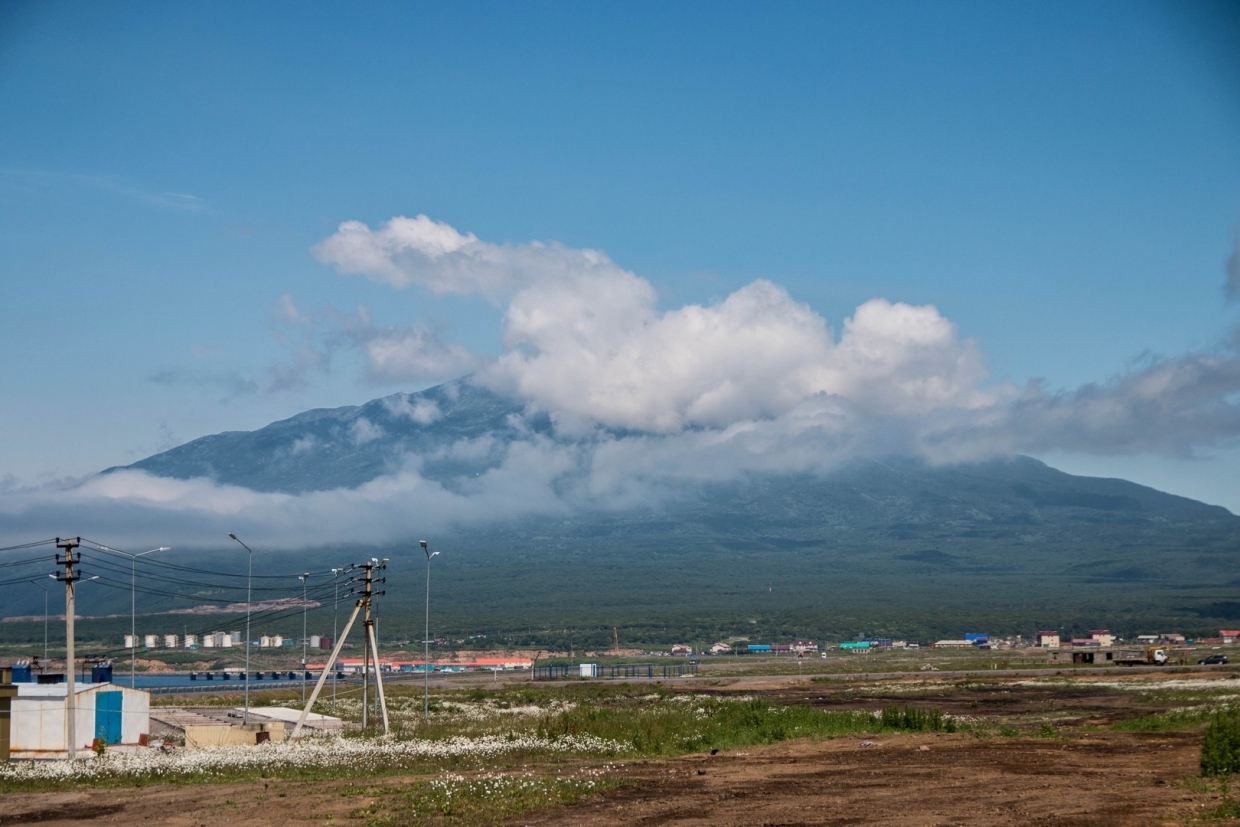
point(346, 755)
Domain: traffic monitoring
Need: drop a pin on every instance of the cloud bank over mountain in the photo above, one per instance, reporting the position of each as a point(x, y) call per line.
point(588, 344)
point(642, 400)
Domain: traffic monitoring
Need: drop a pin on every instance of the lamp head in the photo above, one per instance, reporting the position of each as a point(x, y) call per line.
point(233, 536)
point(422, 543)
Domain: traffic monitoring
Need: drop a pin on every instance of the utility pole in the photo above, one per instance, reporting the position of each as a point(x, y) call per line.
point(304, 640)
point(368, 568)
point(69, 577)
point(371, 650)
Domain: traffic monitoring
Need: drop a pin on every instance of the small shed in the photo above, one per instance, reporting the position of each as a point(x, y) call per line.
point(117, 714)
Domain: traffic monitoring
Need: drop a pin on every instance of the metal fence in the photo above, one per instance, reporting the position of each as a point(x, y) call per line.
point(619, 670)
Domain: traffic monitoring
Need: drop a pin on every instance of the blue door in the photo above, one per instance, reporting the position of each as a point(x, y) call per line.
point(108, 716)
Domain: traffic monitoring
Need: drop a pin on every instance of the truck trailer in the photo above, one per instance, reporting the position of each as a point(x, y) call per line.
point(1150, 655)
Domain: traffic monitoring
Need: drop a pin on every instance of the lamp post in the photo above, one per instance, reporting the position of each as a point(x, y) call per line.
point(426, 639)
point(133, 602)
point(304, 640)
point(249, 577)
point(46, 593)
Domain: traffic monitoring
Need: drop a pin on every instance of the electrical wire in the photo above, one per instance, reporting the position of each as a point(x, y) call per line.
point(29, 545)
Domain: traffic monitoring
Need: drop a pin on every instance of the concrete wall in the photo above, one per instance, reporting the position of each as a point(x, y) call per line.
point(231, 736)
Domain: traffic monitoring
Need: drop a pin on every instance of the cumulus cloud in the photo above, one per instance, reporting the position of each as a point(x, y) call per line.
point(418, 251)
point(392, 354)
point(589, 345)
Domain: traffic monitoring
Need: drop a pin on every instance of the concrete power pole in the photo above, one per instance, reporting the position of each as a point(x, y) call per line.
point(371, 648)
point(69, 577)
point(370, 643)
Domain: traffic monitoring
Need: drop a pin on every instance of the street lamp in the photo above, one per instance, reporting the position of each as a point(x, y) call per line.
point(304, 605)
point(46, 593)
point(249, 578)
point(426, 638)
point(133, 602)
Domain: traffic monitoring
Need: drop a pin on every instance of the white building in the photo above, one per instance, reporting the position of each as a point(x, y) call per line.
point(170, 641)
point(191, 641)
point(117, 714)
point(151, 641)
point(131, 641)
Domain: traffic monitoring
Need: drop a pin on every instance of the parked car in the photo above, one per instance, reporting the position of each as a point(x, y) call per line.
point(1214, 659)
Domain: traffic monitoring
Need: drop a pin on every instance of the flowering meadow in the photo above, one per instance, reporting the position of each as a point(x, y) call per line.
point(352, 756)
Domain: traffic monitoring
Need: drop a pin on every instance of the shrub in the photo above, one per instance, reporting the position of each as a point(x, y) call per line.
point(916, 720)
point(1220, 751)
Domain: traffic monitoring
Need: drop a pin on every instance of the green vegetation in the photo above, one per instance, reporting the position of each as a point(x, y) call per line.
point(483, 799)
point(1176, 720)
point(1220, 751)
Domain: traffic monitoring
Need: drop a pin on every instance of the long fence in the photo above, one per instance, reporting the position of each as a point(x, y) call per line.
point(619, 670)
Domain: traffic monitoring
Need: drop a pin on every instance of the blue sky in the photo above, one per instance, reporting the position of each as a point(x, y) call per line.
point(1060, 180)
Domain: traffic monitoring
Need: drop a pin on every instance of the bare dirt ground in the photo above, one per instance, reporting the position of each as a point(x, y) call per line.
point(905, 780)
point(1084, 775)
point(955, 780)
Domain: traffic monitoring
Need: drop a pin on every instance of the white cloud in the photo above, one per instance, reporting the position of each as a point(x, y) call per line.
point(412, 354)
point(423, 411)
point(418, 251)
point(588, 343)
point(363, 430)
point(391, 354)
point(591, 352)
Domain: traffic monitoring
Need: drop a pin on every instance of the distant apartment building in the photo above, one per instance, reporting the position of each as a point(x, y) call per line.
point(1048, 639)
point(1103, 637)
